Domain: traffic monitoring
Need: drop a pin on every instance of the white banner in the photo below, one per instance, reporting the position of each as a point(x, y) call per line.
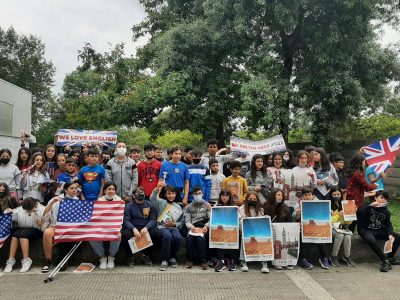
point(267, 146)
point(74, 137)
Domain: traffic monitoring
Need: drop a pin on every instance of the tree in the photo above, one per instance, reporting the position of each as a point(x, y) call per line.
point(182, 138)
point(22, 63)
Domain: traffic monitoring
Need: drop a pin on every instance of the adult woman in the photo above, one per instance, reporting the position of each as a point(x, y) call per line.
point(9, 173)
point(325, 172)
point(258, 178)
point(24, 155)
point(35, 179)
point(50, 216)
point(109, 191)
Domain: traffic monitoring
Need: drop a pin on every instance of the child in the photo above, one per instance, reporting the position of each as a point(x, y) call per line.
point(169, 221)
point(340, 231)
point(217, 180)
point(213, 152)
point(338, 163)
point(279, 212)
point(199, 175)
point(176, 174)
point(50, 154)
point(303, 168)
point(158, 153)
point(325, 172)
point(225, 256)
point(60, 168)
point(92, 176)
point(259, 179)
point(288, 159)
point(29, 220)
point(148, 171)
point(374, 224)
point(307, 195)
point(245, 162)
point(197, 216)
point(236, 184)
point(134, 153)
point(251, 208)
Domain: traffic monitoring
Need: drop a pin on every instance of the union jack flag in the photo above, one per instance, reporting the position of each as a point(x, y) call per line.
point(381, 155)
point(5, 228)
point(85, 220)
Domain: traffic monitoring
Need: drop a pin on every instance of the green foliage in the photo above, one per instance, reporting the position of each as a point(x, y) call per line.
point(22, 63)
point(133, 136)
point(182, 138)
point(375, 127)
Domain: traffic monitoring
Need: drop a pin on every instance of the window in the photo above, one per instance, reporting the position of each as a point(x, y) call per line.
point(6, 118)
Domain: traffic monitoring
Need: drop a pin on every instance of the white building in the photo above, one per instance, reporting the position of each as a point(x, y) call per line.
point(15, 114)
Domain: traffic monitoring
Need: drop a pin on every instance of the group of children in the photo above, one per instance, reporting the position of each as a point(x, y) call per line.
point(185, 187)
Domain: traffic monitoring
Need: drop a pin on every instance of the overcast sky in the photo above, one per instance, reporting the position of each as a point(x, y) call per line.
point(66, 25)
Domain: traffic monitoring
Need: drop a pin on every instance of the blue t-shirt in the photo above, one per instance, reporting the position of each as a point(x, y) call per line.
point(64, 178)
point(175, 174)
point(91, 178)
point(369, 171)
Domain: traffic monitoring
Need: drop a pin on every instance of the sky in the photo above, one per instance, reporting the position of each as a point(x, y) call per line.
point(66, 25)
point(225, 216)
point(316, 210)
point(257, 227)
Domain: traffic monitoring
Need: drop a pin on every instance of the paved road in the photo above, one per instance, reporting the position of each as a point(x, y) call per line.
point(363, 282)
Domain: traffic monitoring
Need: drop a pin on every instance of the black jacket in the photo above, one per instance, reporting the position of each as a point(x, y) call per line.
point(374, 218)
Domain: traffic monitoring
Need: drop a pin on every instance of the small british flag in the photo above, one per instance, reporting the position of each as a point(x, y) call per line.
point(381, 155)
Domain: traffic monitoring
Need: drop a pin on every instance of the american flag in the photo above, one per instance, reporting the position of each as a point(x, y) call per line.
point(381, 155)
point(5, 228)
point(84, 220)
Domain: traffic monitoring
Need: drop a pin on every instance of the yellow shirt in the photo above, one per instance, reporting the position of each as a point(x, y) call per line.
point(237, 186)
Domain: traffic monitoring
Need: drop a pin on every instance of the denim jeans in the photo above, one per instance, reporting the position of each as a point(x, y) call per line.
point(171, 242)
point(98, 248)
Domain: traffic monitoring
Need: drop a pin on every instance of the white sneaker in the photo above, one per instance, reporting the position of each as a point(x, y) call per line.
point(264, 267)
point(9, 265)
point(103, 263)
point(26, 265)
point(243, 266)
point(110, 262)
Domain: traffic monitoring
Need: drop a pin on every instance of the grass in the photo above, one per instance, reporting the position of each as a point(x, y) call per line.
point(394, 208)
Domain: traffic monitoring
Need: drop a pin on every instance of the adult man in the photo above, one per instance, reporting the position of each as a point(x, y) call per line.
point(213, 152)
point(148, 171)
point(122, 170)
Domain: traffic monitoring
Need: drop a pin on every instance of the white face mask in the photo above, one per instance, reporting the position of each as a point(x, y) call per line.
point(286, 158)
point(198, 198)
point(121, 151)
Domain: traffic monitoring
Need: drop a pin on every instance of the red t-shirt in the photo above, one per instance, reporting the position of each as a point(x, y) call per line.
point(148, 175)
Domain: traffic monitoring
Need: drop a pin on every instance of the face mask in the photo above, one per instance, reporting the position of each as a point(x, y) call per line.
point(4, 161)
point(252, 203)
point(336, 198)
point(302, 164)
point(286, 158)
point(2, 194)
point(66, 152)
point(109, 197)
point(105, 160)
point(198, 198)
point(196, 160)
point(139, 197)
point(121, 151)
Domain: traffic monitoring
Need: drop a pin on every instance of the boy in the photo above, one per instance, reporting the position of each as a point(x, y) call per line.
point(158, 153)
point(199, 175)
point(134, 153)
point(236, 184)
point(213, 152)
point(91, 177)
point(308, 195)
point(244, 160)
point(338, 163)
point(67, 176)
point(176, 174)
point(217, 180)
point(374, 224)
point(148, 171)
point(169, 219)
point(104, 158)
point(197, 216)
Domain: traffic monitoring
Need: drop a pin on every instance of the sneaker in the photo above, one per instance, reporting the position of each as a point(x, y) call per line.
point(385, 266)
point(130, 262)
point(264, 267)
point(277, 267)
point(163, 266)
point(103, 263)
point(334, 261)
point(9, 265)
point(110, 262)
point(173, 263)
point(289, 267)
point(212, 262)
point(349, 261)
point(324, 262)
point(220, 266)
point(393, 261)
point(189, 264)
point(47, 266)
point(26, 265)
point(147, 260)
point(306, 264)
point(243, 266)
point(232, 265)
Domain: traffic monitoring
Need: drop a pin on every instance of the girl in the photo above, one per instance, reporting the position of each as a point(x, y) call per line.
point(279, 212)
point(24, 155)
point(29, 220)
point(9, 173)
point(75, 154)
point(288, 159)
point(258, 179)
point(6, 200)
point(35, 179)
point(251, 208)
point(225, 256)
point(325, 172)
point(340, 230)
point(50, 157)
point(276, 170)
point(50, 216)
point(109, 191)
point(60, 167)
point(303, 170)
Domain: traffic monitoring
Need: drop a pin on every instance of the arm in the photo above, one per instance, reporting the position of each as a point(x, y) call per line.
point(186, 193)
point(207, 193)
point(363, 182)
point(50, 205)
point(245, 190)
point(153, 218)
point(17, 178)
point(127, 217)
point(135, 178)
point(188, 219)
point(388, 225)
